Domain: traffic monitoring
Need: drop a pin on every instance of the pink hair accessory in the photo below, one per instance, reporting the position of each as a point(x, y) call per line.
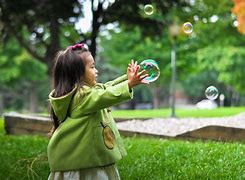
point(77, 46)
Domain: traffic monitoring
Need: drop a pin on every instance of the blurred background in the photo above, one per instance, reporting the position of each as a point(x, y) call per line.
point(117, 31)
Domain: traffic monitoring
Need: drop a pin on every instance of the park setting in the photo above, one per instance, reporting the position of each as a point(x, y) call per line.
point(170, 73)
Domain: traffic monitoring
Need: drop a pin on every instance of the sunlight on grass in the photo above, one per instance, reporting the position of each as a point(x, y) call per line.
point(1, 126)
point(181, 113)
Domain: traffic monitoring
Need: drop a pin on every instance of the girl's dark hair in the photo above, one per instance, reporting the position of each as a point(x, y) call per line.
point(67, 71)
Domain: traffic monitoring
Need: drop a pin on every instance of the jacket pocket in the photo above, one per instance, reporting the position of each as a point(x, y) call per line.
point(108, 136)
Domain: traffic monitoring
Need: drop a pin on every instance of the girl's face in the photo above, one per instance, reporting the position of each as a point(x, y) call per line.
point(90, 71)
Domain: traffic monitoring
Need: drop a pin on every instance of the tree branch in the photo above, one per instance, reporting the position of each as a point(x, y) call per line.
point(27, 47)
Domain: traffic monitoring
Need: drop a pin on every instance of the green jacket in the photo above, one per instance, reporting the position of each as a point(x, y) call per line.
point(87, 136)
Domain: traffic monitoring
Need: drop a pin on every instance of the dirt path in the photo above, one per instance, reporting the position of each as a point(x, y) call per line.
point(174, 126)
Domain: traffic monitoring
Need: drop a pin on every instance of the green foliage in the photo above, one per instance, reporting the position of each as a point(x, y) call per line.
point(35, 15)
point(214, 52)
point(68, 35)
point(214, 43)
point(46, 26)
point(17, 65)
point(19, 74)
point(123, 46)
point(9, 70)
point(30, 70)
point(228, 61)
point(120, 47)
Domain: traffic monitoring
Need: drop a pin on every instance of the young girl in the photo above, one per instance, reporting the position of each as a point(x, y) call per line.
point(85, 142)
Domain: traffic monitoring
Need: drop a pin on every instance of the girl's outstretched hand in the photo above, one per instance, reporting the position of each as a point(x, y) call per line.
point(135, 77)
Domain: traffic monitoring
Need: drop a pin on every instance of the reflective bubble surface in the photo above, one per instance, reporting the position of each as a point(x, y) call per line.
point(211, 92)
point(152, 69)
point(187, 28)
point(148, 9)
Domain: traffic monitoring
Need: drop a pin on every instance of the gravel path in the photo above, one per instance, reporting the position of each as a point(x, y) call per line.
point(174, 126)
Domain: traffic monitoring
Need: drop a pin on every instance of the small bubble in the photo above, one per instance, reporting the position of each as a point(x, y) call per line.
point(187, 28)
point(211, 92)
point(148, 9)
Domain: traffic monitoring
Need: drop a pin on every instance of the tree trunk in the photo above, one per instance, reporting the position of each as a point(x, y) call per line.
point(54, 47)
point(132, 104)
point(155, 91)
point(33, 98)
point(1, 104)
point(96, 23)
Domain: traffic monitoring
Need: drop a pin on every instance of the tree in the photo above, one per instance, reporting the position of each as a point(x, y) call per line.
point(43, 27)
point(228, 63)
point(214, 33)
point(21, 78)
point(37, 25)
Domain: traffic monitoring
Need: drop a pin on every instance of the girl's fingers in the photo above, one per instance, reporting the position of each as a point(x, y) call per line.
point(136, 70)
point(130, 69)
point(143, 77)
point(143, 81)
point(141, 72)
point(135, 63)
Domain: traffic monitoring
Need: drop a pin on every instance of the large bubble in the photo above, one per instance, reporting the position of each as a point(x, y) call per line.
point(211, 92)
point(152, 69)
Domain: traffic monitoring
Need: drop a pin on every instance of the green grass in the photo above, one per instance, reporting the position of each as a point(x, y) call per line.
point(24, 157)
point(168, 159)
point(154, 113)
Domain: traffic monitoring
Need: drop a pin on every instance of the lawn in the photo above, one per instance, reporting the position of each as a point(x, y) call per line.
point(155, 113)
point(24, 157)
point(180, 113)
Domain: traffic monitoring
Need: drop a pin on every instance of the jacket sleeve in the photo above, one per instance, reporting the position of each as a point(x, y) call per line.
point(98, 98)
point(117, 80)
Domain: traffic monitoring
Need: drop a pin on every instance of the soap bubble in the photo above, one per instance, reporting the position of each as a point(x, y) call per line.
point(151, 68)
point(211, 93)
point(187, 28)
point(148, 9)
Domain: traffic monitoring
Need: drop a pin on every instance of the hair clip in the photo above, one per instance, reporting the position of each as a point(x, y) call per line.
point(77, 46)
